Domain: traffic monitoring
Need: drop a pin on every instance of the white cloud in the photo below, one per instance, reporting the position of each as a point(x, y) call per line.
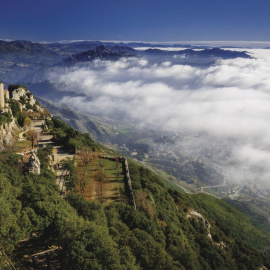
point(230, 99)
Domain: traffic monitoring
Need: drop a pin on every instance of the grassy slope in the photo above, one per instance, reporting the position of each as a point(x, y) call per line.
point(257, 211)
point(113, 184)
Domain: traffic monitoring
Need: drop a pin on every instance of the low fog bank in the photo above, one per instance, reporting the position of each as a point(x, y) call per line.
point(228, 102)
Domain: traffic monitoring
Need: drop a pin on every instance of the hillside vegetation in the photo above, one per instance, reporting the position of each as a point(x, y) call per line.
point(168, 230)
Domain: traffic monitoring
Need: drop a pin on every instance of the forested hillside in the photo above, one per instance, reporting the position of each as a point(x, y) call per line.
point(169, 229)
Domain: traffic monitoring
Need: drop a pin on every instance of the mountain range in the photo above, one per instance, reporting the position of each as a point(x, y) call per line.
point(20, 61)
point(100, 52)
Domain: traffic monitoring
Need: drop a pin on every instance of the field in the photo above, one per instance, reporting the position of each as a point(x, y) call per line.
point(101, 179)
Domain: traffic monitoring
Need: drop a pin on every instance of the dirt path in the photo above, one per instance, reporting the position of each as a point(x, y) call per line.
point(58, 150)
point(37, 126)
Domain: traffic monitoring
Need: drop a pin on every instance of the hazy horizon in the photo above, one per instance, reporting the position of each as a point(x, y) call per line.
point(214, 43)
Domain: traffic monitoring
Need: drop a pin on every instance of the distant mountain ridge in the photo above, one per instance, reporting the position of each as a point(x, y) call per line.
point(116, 52)
point(101, 52)
point(22, 46)
point(25, 61)
point(213, 52)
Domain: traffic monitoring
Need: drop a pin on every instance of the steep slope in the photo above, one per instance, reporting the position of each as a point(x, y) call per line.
point(53, 91)
point(169, 229)
point(99, 128)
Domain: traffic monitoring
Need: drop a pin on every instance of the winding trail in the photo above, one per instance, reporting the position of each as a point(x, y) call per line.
point(59, 153)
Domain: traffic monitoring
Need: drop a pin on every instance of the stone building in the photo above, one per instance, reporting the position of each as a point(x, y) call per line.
point(2, 96)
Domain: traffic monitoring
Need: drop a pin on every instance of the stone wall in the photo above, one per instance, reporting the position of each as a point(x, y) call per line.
point(128, 179)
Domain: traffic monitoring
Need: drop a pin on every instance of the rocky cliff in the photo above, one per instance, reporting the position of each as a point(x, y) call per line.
point(21, 108)
point(8, 134)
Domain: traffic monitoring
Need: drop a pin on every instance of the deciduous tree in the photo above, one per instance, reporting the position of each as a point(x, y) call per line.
point(32, 136)
point(100, 177)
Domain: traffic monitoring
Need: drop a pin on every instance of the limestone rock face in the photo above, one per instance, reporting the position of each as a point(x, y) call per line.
point(32, 100)
point(19, 92)
point(199, 217)
point(7, 134)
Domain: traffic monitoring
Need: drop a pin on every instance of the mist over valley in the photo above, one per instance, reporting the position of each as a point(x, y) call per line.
point(201, 114)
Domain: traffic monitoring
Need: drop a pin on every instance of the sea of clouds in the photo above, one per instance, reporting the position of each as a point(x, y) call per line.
point(228, 100)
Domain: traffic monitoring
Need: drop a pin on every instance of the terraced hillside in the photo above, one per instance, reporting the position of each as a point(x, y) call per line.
point(100, 178)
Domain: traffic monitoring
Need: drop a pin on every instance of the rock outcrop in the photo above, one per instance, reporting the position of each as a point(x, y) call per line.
point(7, 134)
point(22, 92)
point(34, 164)
point(18, 93)
point(200, 218)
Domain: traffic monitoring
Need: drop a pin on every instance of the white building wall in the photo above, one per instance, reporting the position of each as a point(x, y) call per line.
point(2, 96)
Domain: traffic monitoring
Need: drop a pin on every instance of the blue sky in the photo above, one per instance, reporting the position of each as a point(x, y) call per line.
point(148, 20)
